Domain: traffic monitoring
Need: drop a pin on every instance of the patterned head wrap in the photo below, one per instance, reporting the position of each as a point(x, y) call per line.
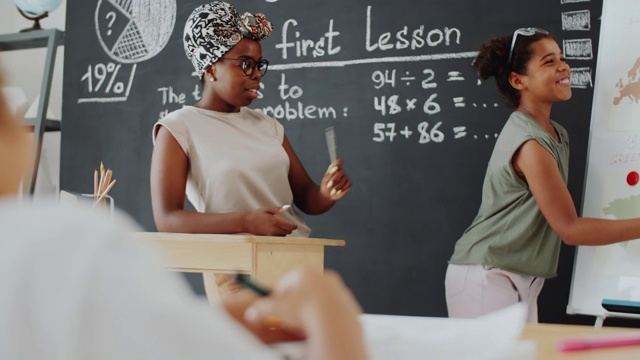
point(213, 29)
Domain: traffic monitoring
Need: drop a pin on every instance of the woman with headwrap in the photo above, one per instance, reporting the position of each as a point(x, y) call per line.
point(236, 164)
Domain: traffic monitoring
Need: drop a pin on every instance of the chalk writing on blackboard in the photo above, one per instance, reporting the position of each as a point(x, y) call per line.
point(576, 20)
point(129, 31)
point(107, 82)
point(134, 30)
point(388, 78)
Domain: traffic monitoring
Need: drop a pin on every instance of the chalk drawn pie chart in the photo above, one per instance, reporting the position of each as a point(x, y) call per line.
point(131, 31)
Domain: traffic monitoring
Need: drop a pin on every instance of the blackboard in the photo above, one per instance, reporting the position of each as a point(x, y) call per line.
point(611, 188)
point(413, 123)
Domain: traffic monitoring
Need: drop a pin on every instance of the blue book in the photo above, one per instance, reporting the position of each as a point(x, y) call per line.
point(623, 306)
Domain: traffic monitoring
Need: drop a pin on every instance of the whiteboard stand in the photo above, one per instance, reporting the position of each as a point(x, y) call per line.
point(599, 272)
point(51, 39)
point(608, 314)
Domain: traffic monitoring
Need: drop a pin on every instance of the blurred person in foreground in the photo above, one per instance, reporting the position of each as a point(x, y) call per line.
point(74, 285)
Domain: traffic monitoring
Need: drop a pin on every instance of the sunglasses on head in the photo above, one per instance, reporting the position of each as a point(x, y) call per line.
point(530, 31)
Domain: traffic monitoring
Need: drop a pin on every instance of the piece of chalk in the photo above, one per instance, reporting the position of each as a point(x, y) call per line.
point(330, 135)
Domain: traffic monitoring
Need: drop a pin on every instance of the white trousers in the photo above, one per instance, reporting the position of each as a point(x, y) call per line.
point(476, 290)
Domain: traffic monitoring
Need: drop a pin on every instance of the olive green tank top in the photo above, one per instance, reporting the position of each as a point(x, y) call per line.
point(510, 231)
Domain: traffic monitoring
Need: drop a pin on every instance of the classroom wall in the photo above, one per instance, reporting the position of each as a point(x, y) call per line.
point(23, 69)
point(412, 197)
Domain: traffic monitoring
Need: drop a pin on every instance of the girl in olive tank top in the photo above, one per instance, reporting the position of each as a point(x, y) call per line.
point(514, 242)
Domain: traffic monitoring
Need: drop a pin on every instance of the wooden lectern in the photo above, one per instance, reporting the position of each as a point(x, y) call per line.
point(265, 258)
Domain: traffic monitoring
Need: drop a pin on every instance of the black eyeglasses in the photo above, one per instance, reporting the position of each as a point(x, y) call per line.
point(249, 65)
point(530, 31)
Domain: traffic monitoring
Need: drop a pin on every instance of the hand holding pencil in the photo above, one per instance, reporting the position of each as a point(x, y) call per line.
point(311, 303)
point(102, 186)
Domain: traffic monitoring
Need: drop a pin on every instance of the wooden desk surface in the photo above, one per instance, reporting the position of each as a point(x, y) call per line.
point(264, 258)
point(415, 335)
point(546, 336)
point(236, 238)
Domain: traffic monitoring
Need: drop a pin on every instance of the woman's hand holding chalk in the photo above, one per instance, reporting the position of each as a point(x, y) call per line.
point(337, 181)
point(284, 208)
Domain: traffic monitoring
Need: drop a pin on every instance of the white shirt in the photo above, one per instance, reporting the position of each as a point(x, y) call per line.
point(74, 285)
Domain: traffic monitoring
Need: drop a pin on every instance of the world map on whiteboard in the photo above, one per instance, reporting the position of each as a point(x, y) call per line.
point(629, 89)
point(625, 208)
point(620, 199)
point(624, 93)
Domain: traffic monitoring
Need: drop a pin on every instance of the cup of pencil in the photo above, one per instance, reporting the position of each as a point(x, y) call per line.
point(102, 184)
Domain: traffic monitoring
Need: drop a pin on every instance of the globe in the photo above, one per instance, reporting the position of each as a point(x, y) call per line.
point(36, 10)
point(37, 7)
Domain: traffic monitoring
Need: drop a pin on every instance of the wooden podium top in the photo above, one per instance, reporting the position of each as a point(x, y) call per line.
point(236, 238)
point(265, 258)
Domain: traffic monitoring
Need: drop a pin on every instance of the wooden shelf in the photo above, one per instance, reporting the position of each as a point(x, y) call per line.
point(49, 124)
point(30, 39)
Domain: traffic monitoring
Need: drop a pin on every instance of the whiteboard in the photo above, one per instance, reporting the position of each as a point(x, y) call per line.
point(611, 187)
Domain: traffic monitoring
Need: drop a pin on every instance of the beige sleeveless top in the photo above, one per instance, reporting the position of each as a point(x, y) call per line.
point(237, 161)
